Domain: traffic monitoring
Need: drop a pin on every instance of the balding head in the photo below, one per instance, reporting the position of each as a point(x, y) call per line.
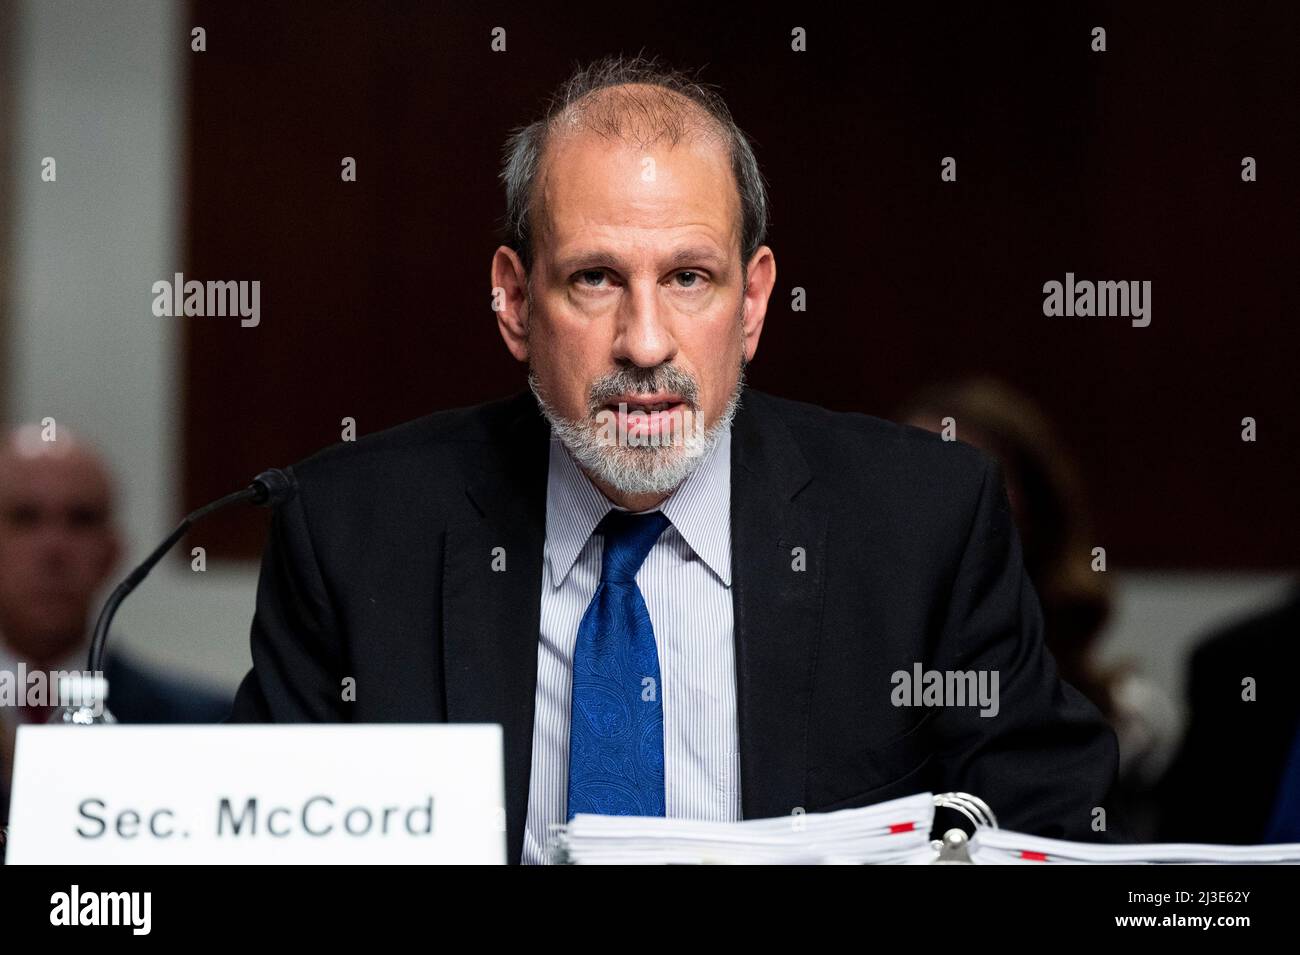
point(643, 119)
point(640, 114)
point(635, 102)
point(58, 543)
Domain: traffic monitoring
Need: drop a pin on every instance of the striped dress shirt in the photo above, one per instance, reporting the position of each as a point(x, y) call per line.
point(686, 583)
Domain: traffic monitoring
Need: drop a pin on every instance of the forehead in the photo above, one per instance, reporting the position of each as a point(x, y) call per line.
point(53, 479)
point(595, 187)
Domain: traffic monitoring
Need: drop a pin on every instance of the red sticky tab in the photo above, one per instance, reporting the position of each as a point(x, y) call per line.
point(902, 827)
point(1034, 856)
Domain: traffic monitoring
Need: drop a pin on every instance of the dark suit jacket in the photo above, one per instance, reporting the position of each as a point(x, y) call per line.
point(1225, 779)
point(140, 695)
point(380, 570)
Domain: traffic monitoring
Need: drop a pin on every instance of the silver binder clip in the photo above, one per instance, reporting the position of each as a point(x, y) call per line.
point(954, 847)
point(972, 807)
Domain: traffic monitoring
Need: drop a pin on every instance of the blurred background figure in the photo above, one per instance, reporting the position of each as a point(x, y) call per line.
point(58, 546)
point(1237, 775)
point(1050, 513)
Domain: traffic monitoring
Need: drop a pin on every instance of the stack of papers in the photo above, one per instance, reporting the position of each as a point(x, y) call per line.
point(895, 832)
point(1004, 847)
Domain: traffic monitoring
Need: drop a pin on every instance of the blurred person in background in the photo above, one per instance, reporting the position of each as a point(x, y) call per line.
point(1237, 776)
point(1048, 506)
point(58, 545)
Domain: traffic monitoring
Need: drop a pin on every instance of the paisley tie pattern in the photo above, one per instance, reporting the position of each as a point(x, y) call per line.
point(616, 735)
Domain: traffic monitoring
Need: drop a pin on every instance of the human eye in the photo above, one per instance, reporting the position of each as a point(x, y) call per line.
point(591, 278)
point(689, 279)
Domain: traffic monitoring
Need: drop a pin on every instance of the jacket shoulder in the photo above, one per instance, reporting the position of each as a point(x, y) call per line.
point(419, 466)
point(1263, 640)
point(869, 445)
point(446, 430)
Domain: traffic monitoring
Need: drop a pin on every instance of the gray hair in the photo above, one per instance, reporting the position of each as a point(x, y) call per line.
point(660, 114)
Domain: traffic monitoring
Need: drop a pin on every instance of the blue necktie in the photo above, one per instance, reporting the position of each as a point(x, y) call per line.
point(616, 731)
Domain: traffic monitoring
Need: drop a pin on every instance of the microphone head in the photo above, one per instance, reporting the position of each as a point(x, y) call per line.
point(275, 486)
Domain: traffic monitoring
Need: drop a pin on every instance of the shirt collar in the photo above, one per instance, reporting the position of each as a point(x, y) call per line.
point(700, 510)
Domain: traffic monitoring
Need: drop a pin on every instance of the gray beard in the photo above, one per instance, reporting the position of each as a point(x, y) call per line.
point(638, 469)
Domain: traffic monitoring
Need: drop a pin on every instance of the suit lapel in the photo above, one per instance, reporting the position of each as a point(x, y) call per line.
point(491, 618)
point(777, 607)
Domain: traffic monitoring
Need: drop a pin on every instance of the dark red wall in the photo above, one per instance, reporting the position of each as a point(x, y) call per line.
point(1115, 165)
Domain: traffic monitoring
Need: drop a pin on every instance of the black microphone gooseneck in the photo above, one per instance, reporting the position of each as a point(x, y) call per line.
point(269, 489)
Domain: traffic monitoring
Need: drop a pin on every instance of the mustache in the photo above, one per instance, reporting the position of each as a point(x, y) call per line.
point(642, 381)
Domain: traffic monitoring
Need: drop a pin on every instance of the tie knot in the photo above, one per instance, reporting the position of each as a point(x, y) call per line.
point(628, 539)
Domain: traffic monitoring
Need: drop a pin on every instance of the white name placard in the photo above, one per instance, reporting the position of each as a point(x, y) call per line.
point(427, 793)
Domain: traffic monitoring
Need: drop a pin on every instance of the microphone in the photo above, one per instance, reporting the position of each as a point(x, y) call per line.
point(271, 488)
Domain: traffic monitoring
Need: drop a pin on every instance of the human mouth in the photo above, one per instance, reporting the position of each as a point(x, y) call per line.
point(648, 414)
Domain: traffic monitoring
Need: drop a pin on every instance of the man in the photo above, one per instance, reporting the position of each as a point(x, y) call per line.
point(1236, 778)
point(678, 595)
point(58, 546)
